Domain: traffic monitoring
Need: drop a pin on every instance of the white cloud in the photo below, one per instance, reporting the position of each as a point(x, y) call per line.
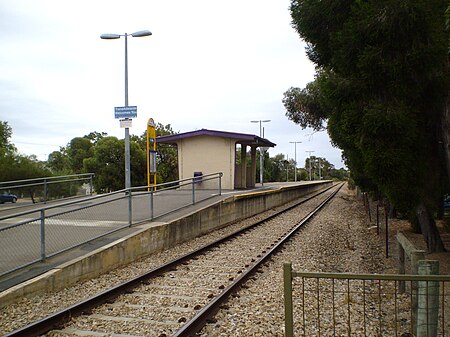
point(209, 64)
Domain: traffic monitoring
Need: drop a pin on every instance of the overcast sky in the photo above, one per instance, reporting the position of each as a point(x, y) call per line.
point(209, 64)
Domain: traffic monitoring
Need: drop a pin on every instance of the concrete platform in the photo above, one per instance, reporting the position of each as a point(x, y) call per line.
point(124, 246)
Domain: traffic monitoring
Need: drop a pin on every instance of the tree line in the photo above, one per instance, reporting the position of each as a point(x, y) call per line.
point(95, 153)
point(103, 155)
point(279, 168)
point(381, 91)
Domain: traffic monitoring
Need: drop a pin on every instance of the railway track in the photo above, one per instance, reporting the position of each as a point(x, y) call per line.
point(178, 298)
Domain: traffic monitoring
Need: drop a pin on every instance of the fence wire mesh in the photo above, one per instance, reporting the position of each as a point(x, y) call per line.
point(20, 245)
point(31, 236)
point(373, 306)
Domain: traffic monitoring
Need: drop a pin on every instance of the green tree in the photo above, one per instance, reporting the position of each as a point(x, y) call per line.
point(138, 165)
point(59, 162)
point(95, 136)
point(319, 164)
point(107, 163)
point(79, 149)
point(5, 134)
point(275, 168)
point(381, 88)
point(166, 155)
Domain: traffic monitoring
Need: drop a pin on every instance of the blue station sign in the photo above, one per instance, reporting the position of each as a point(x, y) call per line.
point(125, 111)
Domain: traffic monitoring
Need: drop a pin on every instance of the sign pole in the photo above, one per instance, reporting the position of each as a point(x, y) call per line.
point(127, 130)
point(151, 153)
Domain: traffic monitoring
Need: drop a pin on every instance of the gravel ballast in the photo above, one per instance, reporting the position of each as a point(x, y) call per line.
point(339, 239)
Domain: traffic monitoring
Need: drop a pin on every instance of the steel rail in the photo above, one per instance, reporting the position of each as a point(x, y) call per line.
point(199, 320)
point(58, 319)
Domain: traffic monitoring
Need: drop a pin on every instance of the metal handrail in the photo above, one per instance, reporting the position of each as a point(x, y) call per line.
point(44, 178)
point(41, 214)
point(46, 182)
point(90, 198)
point(371, 277)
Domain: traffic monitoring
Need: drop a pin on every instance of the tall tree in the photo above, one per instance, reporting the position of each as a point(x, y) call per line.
point(59, 162)
point(5, 134)
point(381, 88)
point(107, 162)
point(95, 136)
point(79, 149)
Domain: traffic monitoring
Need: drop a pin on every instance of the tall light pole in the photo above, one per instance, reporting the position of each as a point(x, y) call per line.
point(309, 163)
point(320, 174)
point(287, 167)
point(295, 158)
point(261, 151)
point(141, 33)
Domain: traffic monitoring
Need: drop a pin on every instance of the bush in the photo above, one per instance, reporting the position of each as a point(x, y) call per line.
point(447, 224)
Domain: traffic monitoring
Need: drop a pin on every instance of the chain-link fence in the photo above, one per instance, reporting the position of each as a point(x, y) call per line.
point(34, 235)
point(49, 188)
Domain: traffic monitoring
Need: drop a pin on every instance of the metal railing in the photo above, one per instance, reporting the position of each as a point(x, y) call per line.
point(45, 183)
point(31, 236)
point(327, 304)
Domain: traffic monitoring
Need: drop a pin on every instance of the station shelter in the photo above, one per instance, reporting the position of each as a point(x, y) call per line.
point(205, 151)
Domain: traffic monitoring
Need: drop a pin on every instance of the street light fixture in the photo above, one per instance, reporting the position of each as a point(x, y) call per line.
point(310, 163)
point(295, 158)
point(140, 33)
point(261, 153)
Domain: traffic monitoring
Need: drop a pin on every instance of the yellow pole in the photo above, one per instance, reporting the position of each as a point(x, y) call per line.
point(151, 153)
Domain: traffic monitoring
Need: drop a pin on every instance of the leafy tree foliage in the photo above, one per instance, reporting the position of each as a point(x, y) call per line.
point(275, 168)
point(166, 155)
point(59, 162)
point(5, 134)
point(96, 153)
point(95, 136)
point(381, 88)
point(79, 149)
point(14, 166)
point(107, 163)
point(320, 164)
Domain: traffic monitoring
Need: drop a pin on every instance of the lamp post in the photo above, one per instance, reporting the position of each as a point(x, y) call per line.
point(320, 174)
point(309, 163)
point(287, 168)
point(295, 158)
point(141, 33)
point(261, 153)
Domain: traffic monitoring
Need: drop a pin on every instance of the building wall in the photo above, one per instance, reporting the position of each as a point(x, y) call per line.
point(207, 155)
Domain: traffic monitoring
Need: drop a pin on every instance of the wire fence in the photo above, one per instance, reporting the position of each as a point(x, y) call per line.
point(50, 188)
point(31, 236)
point(320, 304)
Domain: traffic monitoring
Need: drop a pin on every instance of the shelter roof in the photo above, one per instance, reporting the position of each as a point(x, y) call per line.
point(242, 138)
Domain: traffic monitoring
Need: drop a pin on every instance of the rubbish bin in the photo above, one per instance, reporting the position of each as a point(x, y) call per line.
point(198, 177)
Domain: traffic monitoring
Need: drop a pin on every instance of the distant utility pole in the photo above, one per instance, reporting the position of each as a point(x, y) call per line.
point(287, 168)
point(309, 152)
point(261, 151)
point(295, 160)
point(320, 177)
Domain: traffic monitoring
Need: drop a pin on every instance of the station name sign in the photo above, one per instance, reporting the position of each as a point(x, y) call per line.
point(125, 112)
